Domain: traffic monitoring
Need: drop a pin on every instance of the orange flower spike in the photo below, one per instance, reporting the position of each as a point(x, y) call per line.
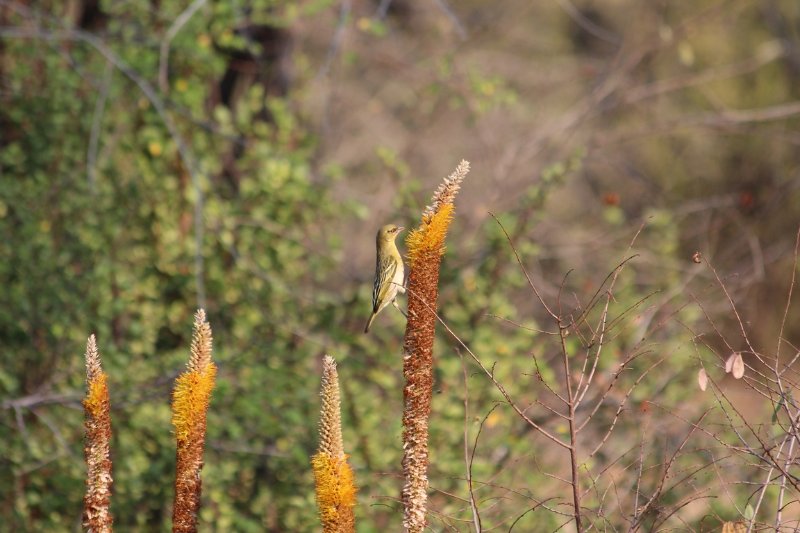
point(190, 403)
point(336, 490)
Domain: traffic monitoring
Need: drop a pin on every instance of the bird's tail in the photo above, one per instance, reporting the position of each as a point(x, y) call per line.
point(369, 322)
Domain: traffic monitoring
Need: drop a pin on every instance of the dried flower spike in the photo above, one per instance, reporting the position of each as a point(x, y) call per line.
point(96, 515)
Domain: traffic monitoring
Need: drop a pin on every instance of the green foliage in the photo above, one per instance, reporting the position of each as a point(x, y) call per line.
point(117, 256)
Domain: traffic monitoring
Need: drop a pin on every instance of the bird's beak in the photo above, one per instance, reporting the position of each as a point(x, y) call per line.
point(401, 228)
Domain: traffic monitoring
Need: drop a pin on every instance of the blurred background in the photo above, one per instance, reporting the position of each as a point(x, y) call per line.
point(157, 156)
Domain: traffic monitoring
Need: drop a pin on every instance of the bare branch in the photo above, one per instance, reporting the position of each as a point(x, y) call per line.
point(175, 27)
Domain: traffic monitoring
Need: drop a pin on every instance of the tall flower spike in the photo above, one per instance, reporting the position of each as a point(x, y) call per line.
point(336, 490)
point(97, 423)
point(425, 248)
point(189, 407)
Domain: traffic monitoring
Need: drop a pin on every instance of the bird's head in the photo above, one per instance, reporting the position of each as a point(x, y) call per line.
point(389, 232)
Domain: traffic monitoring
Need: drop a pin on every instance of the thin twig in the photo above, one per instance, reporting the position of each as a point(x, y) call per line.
point(657, 493)
point(97, 121)
point(573, 434)
point(587, 24)
point(177, 25)
point(338, 37)
point(448, 11)
point(524, 270)
point(470, 457)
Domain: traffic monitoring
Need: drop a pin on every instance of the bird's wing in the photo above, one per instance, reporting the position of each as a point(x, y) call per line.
point(384, 276)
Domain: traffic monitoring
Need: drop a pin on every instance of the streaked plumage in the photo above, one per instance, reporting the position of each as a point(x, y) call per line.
point(389, 271)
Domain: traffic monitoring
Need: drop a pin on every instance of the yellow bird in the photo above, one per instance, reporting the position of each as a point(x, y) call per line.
point(389, 272)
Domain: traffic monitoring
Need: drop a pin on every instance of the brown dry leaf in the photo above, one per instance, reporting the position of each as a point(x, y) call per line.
point(702, 379)
point(729, 363)
point(737, 367)
point(733, 527)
